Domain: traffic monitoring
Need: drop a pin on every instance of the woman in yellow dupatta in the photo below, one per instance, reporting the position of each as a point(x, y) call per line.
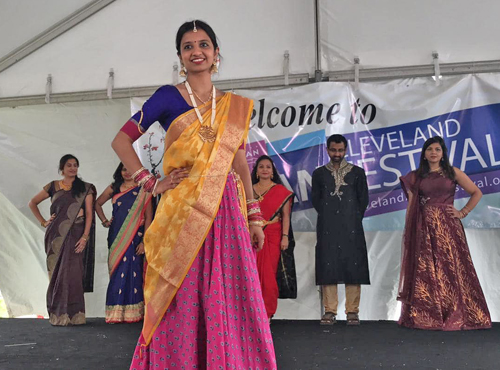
point(204, 306)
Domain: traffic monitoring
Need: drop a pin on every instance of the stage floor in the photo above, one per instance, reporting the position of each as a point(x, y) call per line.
point(35, 344)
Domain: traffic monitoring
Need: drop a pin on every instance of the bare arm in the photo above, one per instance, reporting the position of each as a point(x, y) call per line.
point(89, 216)
point(241, 167)
point(286, 224)
point(122, 145)
point(475, 194)
point(33, 204)
point(106, 195)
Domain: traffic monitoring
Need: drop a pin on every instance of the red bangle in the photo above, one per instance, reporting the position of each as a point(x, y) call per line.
point(150, 184)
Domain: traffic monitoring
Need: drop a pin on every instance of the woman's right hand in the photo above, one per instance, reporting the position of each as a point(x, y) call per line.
point(173, 179)
point(107, 223)
point(49, 221)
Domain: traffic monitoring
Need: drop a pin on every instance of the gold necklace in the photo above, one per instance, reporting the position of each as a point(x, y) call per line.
point(436, 170)
point(65, 187)
point(206, 132)
point(203, 101)
point(262, 193)
point(125, 188)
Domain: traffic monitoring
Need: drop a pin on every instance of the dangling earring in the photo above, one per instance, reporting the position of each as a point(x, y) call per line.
point(257, 175)
point(442, 159)
point(215, 66)
point(272, 176)
point(183, 71)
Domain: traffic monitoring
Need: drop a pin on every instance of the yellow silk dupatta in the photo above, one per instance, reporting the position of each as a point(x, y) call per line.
point(185, 214)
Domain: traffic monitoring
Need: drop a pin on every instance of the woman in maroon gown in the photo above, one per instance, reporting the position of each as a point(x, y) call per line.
point(438, 287)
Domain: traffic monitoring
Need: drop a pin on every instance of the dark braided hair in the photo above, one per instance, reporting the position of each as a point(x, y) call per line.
point(118, 179)
point(423, 168)
point(78, 186)
point(189, 26)
point(276, 176)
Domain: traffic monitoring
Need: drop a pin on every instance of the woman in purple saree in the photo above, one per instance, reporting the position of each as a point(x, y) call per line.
point(69, 243)
point(438, 288)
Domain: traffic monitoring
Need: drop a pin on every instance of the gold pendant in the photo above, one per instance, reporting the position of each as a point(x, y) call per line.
point(207, 133)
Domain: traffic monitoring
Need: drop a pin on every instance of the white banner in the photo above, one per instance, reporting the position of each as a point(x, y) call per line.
point(386, 125)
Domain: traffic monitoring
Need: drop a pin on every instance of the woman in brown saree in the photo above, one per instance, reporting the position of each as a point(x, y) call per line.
point(438, 287)
point(69, 242)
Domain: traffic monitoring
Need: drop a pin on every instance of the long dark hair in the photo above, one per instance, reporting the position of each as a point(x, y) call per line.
point(118, 179)
point(189, 26)
point(78, 186)
point(423, 168)
point(276, 177)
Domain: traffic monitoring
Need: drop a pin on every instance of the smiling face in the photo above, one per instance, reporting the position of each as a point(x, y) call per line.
point(336, 152)
point(197, 51)
point(434, 153)
point(70, 168)
point(265, 169)
point(127, 176)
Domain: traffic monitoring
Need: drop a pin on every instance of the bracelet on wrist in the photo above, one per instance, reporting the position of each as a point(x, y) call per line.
point(85, 237)
point(284, 235)
point(256, 223)
point(137, 172)
point(43, 223)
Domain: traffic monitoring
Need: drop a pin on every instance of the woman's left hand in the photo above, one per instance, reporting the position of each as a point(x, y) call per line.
point(257, 237)
point(453, 212)
point(284, 243)
point(80, 245)
point(140, 249)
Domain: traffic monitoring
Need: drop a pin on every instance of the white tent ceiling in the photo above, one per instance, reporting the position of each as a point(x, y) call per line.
point(21, 20)
point(136, 38)
point(390, 33)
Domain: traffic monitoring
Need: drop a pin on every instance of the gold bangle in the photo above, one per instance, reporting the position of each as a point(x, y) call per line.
point(139, 124)
point(256, 223)
point(43, 223)
point(85, 237)
point(137, 172)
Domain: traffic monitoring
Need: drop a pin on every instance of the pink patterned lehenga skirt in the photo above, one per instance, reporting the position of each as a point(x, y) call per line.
point(217, 320)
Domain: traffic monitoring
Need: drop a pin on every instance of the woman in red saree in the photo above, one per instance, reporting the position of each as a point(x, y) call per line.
point(276, 205)
point(438, 287)
point(69, 242)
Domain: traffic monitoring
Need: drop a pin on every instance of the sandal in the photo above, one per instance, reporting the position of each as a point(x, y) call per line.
point(328, 319)
point(352, 319)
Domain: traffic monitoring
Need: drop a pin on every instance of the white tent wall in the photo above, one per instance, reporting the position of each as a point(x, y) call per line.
point(393, 33)
point(137, 39)
point(32, 140)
